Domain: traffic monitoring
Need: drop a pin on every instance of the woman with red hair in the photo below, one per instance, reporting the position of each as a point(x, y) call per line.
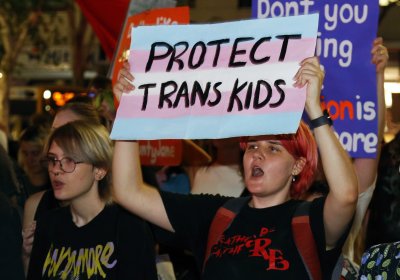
point(259, 243)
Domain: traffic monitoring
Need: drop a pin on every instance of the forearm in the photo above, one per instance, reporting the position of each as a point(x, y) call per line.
point(381, 110)
point(366, 168)
point(337, 166)
point(128, 183)
point(129, 189)
point(341, 202)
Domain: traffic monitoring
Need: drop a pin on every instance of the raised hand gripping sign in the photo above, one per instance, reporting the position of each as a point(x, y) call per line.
point(345, 35)
point(216, 80)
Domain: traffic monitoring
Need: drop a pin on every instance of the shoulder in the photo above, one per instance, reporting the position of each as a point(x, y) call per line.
point(30, 207)
point(129, 226)
point(191, 211)
point(33, 201)
point(125, 217)
point(57, 214)
point(197, 203)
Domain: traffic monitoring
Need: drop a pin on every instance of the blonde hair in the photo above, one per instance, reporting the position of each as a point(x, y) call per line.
point(89, 143)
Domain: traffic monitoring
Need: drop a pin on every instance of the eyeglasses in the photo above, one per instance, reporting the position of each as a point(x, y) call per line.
point(67, 164)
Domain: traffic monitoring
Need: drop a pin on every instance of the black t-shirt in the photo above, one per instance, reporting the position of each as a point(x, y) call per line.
point(258, 244)
point(114, 245)
point(46, 203)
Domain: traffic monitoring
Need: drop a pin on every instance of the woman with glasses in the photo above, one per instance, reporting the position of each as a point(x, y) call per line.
point(91, 238)
point(41, 202)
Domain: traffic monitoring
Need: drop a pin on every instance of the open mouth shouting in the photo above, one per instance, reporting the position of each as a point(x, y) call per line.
point(256, 171)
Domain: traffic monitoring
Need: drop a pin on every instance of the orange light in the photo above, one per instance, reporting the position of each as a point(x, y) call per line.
point(61, 98)
point(68, 95)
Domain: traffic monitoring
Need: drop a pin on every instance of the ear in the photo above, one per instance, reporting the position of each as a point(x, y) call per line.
point(99, 173)
point(298, 166)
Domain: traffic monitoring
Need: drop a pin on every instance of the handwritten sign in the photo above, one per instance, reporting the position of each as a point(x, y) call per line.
point(165, 16)
point(216, 80)
point(157, 152)
point(345, 36)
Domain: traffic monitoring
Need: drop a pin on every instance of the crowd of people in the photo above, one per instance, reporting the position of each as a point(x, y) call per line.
point(86, 210)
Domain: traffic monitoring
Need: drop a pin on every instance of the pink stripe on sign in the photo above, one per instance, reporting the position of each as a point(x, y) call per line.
point(130, 106)
point(295, 52)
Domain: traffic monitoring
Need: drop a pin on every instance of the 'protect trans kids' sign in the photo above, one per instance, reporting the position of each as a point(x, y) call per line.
point(216, 80)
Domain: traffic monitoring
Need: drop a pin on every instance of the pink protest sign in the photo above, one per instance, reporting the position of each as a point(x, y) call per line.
point(216, 80)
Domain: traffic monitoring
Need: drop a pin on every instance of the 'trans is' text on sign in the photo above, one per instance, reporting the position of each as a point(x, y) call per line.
point(216, 80)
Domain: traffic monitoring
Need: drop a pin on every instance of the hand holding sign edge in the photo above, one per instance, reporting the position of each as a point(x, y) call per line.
point(124, 81)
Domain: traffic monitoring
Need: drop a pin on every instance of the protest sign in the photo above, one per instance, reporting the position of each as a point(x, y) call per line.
point(216, 80)
point(162, 152)
point(167, 16)
point(345, 36)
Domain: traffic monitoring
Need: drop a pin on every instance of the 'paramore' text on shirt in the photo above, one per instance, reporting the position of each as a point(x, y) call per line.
point(63, 262)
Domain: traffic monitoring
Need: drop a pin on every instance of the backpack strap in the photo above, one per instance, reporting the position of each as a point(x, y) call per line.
point(222, 221)
point(304, 240)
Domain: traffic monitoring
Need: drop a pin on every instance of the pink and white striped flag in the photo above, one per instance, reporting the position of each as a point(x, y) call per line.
point(220, 80)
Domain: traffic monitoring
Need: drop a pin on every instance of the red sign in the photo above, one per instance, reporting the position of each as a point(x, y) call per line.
point(161, 152)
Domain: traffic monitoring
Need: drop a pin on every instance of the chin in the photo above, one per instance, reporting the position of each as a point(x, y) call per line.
point(60, 195)
point(254, 189)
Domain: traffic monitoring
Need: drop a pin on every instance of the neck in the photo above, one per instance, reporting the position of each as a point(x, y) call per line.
point(269, 201)
point(84, 211)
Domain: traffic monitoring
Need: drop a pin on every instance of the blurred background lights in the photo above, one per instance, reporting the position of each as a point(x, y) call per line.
point(47, 94)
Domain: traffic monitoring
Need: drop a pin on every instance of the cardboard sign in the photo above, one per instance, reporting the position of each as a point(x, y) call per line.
point(345, 36)
point(216, 80)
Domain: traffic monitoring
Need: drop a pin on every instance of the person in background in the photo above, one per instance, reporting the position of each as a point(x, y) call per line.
point(73, 111)
point(33, 177)
point(9, 185)
point(103, 240)
point(367, 168)
point(384, 213)
point(224, 175)
point(42, 202)
point(276, 169)
point(173, 179)
point(3, 137)
point(381, 258)
point(101, 88)
point(10, 240)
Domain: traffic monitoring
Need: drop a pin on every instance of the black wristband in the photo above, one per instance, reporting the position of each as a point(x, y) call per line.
point(324, 119)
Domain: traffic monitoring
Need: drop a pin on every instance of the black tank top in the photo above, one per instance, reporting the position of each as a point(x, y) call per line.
point(47, 203)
